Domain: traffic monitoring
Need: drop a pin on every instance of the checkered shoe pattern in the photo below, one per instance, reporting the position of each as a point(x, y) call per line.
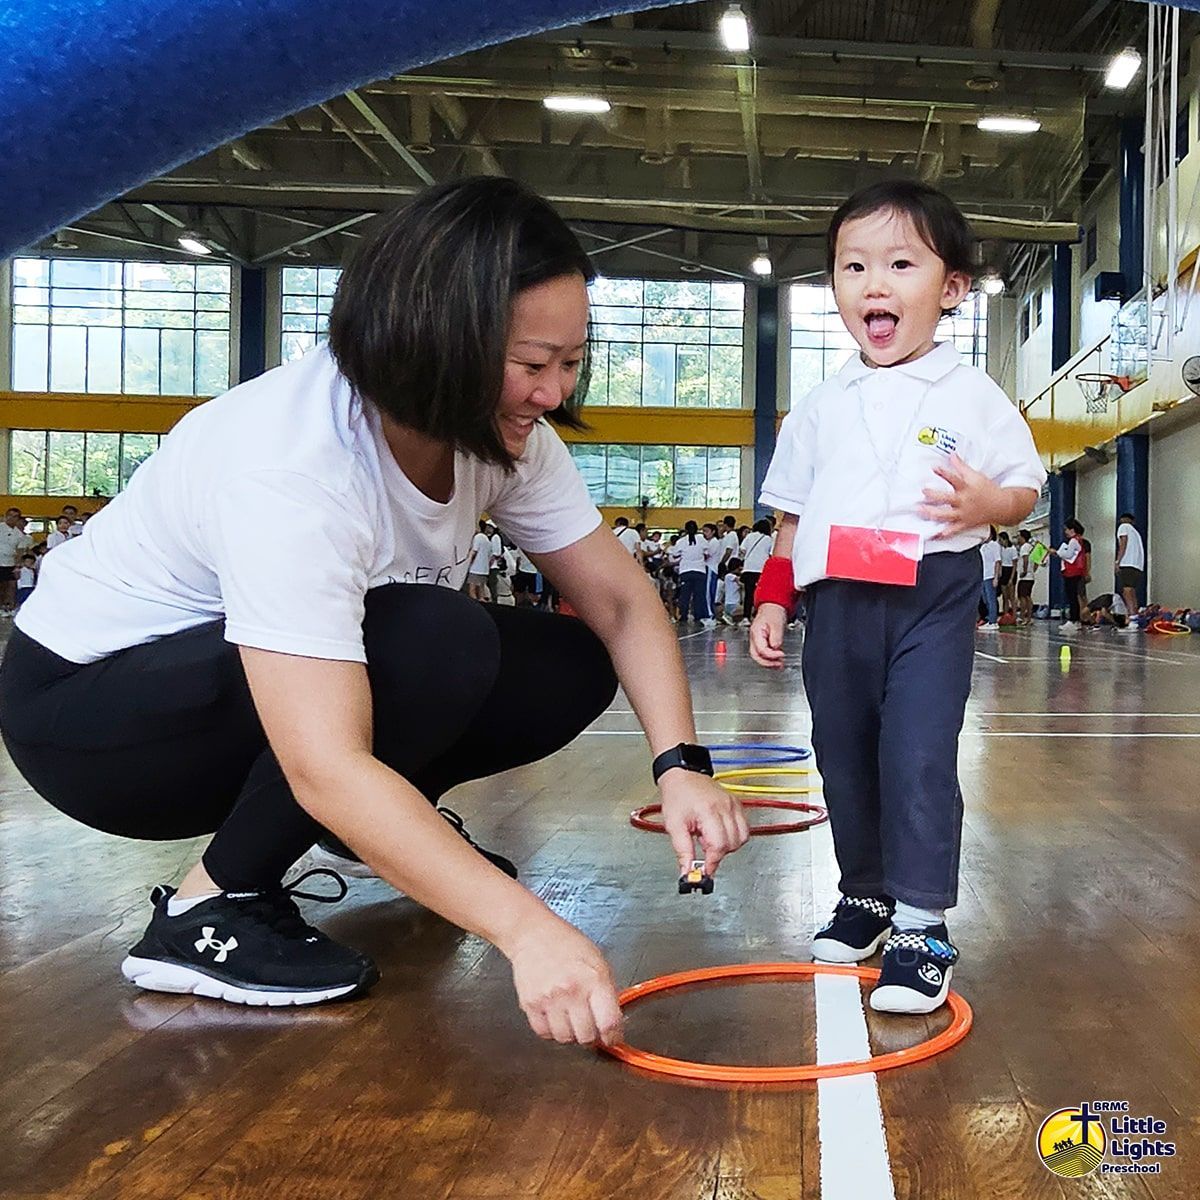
point(880, 908)
point(856, 930)
point(916, 939)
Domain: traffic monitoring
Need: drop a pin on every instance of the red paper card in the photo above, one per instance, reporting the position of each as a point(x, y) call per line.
point(873, 555)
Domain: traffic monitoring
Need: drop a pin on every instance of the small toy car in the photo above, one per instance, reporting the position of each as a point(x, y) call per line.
point(695, 880)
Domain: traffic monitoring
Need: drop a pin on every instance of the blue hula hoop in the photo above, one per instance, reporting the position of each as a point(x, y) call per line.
point(765, 754)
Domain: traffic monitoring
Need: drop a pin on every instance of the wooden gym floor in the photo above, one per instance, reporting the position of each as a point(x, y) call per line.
point(1079, 925)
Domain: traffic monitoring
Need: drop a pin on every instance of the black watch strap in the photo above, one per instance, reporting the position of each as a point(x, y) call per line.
point(685, 755)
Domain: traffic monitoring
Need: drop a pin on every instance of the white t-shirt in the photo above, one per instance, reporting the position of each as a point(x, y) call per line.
point(1008, 555)
point(693, 556)
point(56, 539)
point(481, 554)
point(712, 552)
point(1135, 548)
point(733, 592)
point(26, 577)
point(278, 506)
point(989, 552)
point(755, 551)
point(729, 542)
point(13, 543)
point(1026, 569)
point(628, 537)
point(837, 448)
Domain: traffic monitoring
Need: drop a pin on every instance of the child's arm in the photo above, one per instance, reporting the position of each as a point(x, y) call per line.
point(766, 634)
point(974, 501)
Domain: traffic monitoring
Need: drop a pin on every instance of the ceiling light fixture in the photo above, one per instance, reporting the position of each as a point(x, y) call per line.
point(577, 104)
point(1008, 125)
point(761, 265)
point(1122, 69)
point(192, 243)
point(735, 29)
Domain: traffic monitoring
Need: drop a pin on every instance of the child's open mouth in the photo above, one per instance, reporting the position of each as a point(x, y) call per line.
point(881, 327)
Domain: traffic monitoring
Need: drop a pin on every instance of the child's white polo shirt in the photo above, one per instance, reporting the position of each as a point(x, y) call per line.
point(861, 448)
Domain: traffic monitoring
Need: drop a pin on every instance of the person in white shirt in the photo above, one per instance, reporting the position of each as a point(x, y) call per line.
point(731, 592)
point(1130, 564)
point(26, 578)
point(480, 564)
point(61, 533)
point(14, 541)
point(754, 552)
point(1026, 569)
point(628, 537)
point(889, 474)
point(495, 562)
point(1007, 585)
point(175, 673)
point(524, 580)
point(990, 559)
point(713, 553)
point(693, 556)
point(729, 540)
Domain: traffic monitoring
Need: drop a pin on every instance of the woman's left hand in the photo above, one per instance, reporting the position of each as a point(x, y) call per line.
point(696, 806)
point(973, 502)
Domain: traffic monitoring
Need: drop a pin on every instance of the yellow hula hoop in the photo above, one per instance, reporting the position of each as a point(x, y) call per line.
point(745, 789)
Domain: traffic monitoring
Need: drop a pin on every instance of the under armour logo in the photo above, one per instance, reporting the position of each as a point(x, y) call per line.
point(208, 942)
point(927, 971)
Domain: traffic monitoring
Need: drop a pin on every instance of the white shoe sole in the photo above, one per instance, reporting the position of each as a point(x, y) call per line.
point(318, 856)
point(155, 976)
point(830, 951)
point(895, 999)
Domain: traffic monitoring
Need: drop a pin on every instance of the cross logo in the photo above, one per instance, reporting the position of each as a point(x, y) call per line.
point(208, 942)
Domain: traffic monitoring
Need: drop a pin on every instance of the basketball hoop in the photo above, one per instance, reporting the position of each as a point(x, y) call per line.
point(1100, 389)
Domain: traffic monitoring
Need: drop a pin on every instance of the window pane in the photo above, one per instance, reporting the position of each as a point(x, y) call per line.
point(658, 376)
point(213, 278)
point(178, 375)
point(27, 462)
point(160, 277)
point(31, 360)
point(597, 392)
point(658, 475)
point(103, 450)
point(104, 360)
point(81, 272)
point(141, 361)
point(295, 345)
point(212, 364)
point(691, 378)
point(624, 474)
point(135, 449)
point(726, 377)
point(327, 280)
point(68, 359)
point(624, 374)
point(64, 469)
point(31, 272)
point(724, 476)
point(590, 461)
point(691, 469)
point(299, 281)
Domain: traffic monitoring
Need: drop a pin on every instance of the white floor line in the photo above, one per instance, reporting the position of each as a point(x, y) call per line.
point(854, 1153)
point(991, 657)
point(966, 733)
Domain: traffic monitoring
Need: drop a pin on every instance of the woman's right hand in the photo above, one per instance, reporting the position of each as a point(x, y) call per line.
point(766, 635)
point(565, 987)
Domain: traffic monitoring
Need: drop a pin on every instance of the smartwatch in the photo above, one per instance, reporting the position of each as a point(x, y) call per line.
point(689, 757)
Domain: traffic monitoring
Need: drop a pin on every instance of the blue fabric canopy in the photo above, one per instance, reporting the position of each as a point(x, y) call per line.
point(98, 96)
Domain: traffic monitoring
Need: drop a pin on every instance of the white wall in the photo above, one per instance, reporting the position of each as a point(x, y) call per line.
point(1096, 509)
point(1033, 355)
point(1094, 317)
point(1175, 517)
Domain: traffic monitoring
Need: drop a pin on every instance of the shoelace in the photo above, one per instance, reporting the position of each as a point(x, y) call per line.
point(277, 909)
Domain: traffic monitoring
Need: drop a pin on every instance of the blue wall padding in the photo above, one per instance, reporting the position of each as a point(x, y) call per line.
point(98, 96)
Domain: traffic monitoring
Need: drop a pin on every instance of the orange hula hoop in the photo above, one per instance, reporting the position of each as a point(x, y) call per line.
point(954, 1033)
point(637, 818)
point(1170, 628)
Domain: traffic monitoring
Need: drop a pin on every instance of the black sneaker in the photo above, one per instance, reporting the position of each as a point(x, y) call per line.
point(916, 971)
point(247, 948)
point(331, 853)
point(858, 927)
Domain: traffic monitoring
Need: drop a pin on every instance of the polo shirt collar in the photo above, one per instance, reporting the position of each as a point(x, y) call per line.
point(929, 368)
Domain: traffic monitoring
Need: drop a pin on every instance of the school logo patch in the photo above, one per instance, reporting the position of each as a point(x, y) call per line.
point(945, 440)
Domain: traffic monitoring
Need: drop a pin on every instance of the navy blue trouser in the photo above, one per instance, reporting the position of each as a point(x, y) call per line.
point(162, 740)
point(888, 671)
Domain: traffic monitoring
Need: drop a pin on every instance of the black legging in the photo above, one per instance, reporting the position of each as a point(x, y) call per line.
point(1074, 586)
point(750, 586)
point(162, 740)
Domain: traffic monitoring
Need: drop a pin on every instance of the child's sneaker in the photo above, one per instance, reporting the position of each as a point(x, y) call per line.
point(858, 927)
point(916, 971)
point(247, 948)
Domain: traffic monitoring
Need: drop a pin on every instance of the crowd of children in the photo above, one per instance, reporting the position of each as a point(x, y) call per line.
point(20, 555)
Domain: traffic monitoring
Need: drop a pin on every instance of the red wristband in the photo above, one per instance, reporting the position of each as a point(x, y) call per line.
point(777, 584)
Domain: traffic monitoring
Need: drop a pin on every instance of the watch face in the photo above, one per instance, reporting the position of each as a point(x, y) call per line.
point(696, 757)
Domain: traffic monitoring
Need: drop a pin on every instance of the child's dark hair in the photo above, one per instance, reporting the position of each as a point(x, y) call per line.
point(1074, 526)
point(29, 557)
point(937, 219)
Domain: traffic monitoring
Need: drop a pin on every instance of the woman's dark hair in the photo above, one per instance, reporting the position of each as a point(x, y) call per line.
point(1074, 526)
point(1004, 539)
point(691, 529)
point(421, 318)
point(763, 526)
point(710, 525)
point(936, 217)
point(1024, 535)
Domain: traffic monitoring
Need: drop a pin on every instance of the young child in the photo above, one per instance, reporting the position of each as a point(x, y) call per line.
point(26, 578)
point(731, 592)
point(888, 475)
